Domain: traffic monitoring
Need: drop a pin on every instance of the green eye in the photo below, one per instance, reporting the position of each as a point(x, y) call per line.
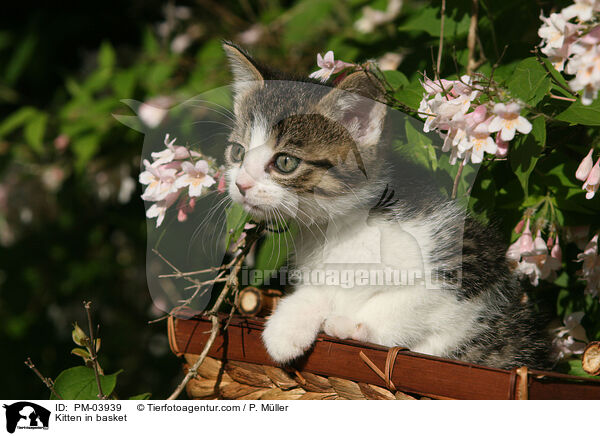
point(237, 152)
point(286, 163)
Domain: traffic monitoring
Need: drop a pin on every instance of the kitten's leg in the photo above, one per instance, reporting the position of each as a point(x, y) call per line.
point(294, 325)
point(343, 327)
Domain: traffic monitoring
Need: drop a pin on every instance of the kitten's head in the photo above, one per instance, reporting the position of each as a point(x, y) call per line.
point(300, 149)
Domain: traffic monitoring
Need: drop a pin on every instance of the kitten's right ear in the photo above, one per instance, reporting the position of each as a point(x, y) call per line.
point(245, 71)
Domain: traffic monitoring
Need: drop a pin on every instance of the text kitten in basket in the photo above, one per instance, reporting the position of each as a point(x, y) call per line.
point(316, 154)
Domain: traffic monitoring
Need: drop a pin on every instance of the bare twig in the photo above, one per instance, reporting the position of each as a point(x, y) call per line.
point(441, 46)
point(457, 179)
point(230, 284)
point(473, 64)
point(46, 380)
point(94, 357)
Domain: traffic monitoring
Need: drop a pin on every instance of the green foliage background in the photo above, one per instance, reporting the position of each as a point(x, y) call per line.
point(64, 71)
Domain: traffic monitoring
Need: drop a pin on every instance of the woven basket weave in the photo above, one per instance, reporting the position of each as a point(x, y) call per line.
point(238, 367)
point(246, 381)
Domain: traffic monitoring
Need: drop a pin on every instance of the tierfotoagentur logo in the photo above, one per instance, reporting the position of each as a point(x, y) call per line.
point(26, 416)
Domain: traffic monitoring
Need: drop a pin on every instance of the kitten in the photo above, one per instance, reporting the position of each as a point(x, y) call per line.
point(318, 155)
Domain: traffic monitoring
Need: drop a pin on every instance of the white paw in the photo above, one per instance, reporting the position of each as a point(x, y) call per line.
point(343, 327)
point(285, 342)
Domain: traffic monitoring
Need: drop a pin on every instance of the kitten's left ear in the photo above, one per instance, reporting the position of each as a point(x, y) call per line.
point(354, 103)
point(245, 71)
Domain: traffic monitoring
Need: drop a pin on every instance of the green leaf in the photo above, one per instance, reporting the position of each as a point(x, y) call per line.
point(21, 57)
point(106, 56)
point(577, 113)
point(79, 383)
point(85, 148)
point(144, 396)
point(306, 21)
point(16, 120)
point(78, 335)
point(34, 131)
point(272, 254)
point(428, 20)
point(529, 81)
point(418, 146)
point(526, 152)
point(396, 79)
point(81, 353)
point(236, 219)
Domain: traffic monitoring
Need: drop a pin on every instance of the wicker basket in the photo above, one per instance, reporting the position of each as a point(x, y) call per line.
point(238, 367)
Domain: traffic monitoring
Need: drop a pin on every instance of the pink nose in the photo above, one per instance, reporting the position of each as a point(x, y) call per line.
point(243, 186)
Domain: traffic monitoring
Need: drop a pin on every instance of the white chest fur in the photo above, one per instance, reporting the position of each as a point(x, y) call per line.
point(388, 301)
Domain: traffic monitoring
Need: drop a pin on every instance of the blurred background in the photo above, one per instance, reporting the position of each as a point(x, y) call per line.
point(72, 224)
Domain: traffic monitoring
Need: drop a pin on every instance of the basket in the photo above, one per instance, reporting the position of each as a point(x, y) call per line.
point(238, 367)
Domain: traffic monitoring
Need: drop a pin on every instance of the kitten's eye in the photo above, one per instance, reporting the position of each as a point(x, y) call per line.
point(286, 163)
point(237, 152)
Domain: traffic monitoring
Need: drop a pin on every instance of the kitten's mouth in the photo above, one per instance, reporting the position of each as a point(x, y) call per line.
point(253, 209)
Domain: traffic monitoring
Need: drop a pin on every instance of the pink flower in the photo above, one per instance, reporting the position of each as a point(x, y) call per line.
point(583, 171)
point(582, 9)
point(154, 111)
point(553, 262)
point(159, 209)
point(61, 142)
point(502, 150)
point(524, 244)
point(590, 270)
point(160, 180)
point(592, 181)
point(195, 176)
point(389, 61)
point(519, 226)
point(526, 240)
point(185, 207)
point(529, 257)
point(571, 338)
point(172, 152)
point(477, 142)
point(508, 120)
point(328, 66)
point(221, 187)
point(373, 17)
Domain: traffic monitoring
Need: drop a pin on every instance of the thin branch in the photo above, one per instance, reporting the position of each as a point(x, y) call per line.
point(441, 46)
point(94, 356)
point(46, 380)
point(473, 64)
point(232, 283)
point(457, 179)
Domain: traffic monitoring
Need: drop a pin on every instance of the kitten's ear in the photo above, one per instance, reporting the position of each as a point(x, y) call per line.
point(245, 71)
point(354, 103)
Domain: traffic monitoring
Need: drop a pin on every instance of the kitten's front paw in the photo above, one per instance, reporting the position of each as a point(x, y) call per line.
point(343, 327)
point(284, 343)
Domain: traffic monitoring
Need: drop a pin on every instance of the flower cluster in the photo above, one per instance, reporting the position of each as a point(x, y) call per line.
point(452, 108)
point(174, 171)
point(535, 258)
point(590, 270)
point(571, 40)
point(570, 338)
point(589, 174)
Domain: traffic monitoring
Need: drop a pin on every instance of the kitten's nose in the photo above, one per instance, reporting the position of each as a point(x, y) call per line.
point(243, 186)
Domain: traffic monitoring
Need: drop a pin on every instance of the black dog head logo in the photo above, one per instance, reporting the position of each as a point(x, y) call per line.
point(27, 415)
